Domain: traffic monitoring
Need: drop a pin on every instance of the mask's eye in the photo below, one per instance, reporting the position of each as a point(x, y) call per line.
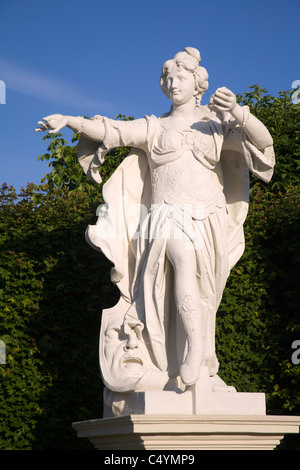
point(115, 334)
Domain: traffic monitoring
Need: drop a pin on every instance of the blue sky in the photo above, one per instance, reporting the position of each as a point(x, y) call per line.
point(104, 57)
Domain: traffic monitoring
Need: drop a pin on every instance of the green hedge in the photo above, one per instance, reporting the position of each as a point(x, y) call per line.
point(53, 289)
point(258, 319)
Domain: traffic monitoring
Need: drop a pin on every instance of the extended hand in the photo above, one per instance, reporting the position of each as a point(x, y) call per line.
point(223, 100)
point(55, 122)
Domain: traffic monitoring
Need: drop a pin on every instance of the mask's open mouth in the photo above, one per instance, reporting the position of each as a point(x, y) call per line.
point(132, 360)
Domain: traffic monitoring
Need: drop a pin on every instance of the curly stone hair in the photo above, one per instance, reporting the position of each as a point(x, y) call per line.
point(189, 59)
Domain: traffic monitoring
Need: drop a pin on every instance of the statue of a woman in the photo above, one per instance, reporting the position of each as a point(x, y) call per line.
point(188, 174)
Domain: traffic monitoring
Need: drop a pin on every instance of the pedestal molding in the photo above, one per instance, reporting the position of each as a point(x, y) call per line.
point(193, 432)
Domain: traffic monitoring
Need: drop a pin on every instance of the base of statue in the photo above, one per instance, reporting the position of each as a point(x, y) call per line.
point(184, 403)
point(206, 416)
point(207, 396)
point(187, 432)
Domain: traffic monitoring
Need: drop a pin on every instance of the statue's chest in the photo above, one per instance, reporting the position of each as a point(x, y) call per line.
point(170, 143)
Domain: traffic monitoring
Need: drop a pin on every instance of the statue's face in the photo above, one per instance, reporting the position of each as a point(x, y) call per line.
point(126, 356)
point(180, 83)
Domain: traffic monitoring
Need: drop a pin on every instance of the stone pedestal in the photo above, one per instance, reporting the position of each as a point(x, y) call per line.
point(205, 397)
point(188, 432)
point(184, 403)
point(206, 416)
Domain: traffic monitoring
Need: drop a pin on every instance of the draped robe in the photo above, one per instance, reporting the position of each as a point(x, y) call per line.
point(155, 188)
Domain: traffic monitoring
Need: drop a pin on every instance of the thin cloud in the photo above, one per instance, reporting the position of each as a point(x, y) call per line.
point(47, 88)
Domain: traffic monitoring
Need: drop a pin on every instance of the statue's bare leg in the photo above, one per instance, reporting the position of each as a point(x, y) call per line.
point(187, 298)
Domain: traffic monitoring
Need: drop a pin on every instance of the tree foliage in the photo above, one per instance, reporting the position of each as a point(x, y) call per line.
point(67, 173)
point(54, 287)
point(282, 119)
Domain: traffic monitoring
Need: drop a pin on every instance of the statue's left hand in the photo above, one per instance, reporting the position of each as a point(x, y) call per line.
point(53, 123)
point(223, 100)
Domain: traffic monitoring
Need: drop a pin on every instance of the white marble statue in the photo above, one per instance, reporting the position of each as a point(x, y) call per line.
point(172, 224)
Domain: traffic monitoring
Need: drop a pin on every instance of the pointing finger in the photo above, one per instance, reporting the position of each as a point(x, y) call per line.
point(225, 90)
point(221, 103)
point(57, 129)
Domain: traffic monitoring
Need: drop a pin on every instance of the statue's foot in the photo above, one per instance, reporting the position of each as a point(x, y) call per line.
point(188, 374)
point(190, 369)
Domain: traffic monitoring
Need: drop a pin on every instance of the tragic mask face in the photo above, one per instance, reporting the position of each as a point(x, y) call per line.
point(126, 353)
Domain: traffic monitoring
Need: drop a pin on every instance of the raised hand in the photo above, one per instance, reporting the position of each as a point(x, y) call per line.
point(223, 100)
point(53, 123)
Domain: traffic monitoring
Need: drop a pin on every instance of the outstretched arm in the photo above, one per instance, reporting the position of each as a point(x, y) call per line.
point(55, 122)
point(122, 133)
point(225, 100)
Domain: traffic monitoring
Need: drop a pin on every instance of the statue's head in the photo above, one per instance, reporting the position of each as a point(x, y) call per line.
point(187, 60)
